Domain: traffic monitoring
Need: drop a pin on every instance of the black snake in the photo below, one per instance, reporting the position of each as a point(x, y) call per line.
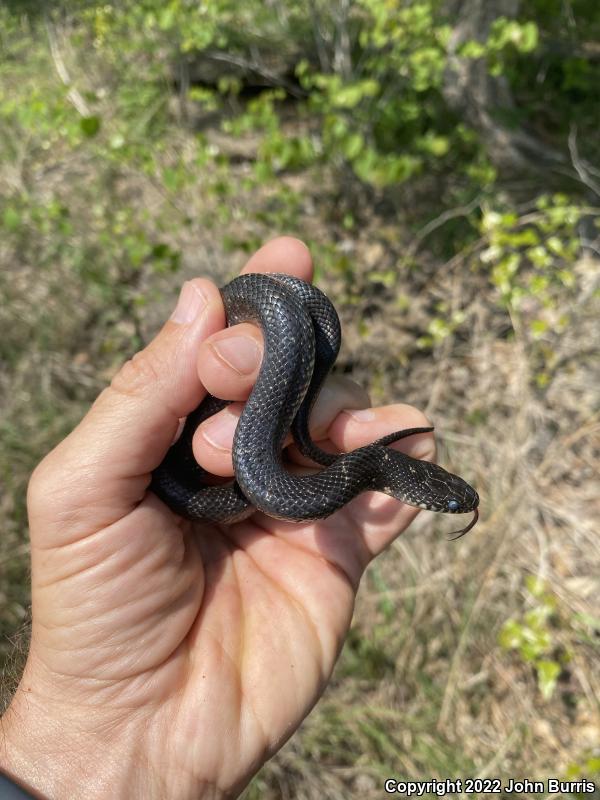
point(302, 337)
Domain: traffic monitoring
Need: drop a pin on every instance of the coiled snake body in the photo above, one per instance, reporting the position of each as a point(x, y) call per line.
point(301, 340)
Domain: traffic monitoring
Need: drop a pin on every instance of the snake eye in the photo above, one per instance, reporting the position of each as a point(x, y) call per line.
point(453, 505)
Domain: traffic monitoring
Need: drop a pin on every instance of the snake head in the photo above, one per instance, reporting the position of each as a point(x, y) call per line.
point(429, 486)
point(458, 497)
point(450, 494)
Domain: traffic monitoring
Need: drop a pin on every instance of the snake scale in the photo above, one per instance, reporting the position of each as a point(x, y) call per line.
point(301, 332)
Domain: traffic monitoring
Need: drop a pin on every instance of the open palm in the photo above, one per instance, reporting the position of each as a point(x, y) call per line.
point(174, 658)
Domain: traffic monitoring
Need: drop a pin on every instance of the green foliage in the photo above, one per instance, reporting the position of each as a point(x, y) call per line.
point(530, 261)
point(372, 104)
point(363, 114)
point(441, 326)
point(588, 768)
point(382, 117)
point(357, 116)
point(366, 657)
point(532, 636)
point(531, 256)
point(507, 38)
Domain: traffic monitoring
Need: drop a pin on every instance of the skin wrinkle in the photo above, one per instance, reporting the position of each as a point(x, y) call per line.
point(361, 565)
point(242, 635)
point(354, 584)
point(178, 768)
point(141, 366)
point(105, 684)
point(141, 374)
point(111, 555)
point(219, 355)
point(144, 374)
point(180, 600)
point(270, 744)
point(79, 743)
point(68, 516)
point(72, 516)
point(223, 417)
point(216, 639)
point(359, 533)
point(79, 570)
point(259, 520)
point(337, 567)
point(119, 714)
point(59, 648)
point(294, 601)
point(243, 693)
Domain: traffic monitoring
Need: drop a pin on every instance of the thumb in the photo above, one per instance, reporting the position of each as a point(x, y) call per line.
point(101, 470)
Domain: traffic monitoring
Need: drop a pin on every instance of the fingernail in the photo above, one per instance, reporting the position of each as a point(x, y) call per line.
point(361, 414)
point(241, 353)
point(219, 432)
point(190, 304)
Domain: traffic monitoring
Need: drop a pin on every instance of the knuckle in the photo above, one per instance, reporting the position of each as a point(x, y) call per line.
point(44, 483)
point(36, 487)
point(138, 373)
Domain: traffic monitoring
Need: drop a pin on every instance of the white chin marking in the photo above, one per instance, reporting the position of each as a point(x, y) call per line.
point(423, 505)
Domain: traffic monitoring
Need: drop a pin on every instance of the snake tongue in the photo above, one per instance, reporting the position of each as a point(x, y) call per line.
point(457, 534)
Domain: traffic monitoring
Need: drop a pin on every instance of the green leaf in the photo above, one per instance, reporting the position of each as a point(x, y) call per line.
point(535, 585)
point(166, 18)
point(529, 37)
point(592, 765)
point(511, 635)
point(11, 219)
point(90, 125)
point(471, 49)
point(538, 328)
point(348, 97)
point(438, 146)
point(547, 674)
point(536, 618)
point(353, 145)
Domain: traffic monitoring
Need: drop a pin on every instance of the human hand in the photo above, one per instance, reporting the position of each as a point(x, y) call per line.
point(170, 659)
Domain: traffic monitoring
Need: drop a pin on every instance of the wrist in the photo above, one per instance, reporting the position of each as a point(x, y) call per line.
point(56, 751)
point(57, 756)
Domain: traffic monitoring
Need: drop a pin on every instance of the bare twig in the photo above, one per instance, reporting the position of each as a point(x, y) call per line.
point(184, 85)
point(581, 167)
point(342, 60)
point(434, 224)
point(320, 41)
point(73, 95)
point(254, 66)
